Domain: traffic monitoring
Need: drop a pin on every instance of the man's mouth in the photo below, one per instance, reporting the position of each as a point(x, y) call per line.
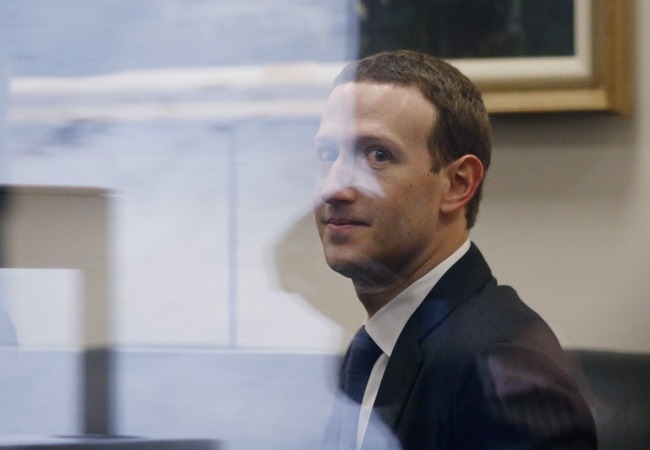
point(341, 222)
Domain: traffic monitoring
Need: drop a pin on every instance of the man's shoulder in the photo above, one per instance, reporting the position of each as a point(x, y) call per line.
point(469, 310)
point(493, 315)
point(498, 309)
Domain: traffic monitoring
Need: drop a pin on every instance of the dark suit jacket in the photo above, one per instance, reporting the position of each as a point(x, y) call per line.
point(475, 368)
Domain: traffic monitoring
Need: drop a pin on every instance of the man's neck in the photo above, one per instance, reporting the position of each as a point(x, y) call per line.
point(375, 295)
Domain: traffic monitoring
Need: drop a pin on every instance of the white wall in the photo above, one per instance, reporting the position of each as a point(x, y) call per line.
point(566, 215)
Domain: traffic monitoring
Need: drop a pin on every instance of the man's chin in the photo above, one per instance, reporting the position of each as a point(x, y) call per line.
point(364, 272)
point(343, 268)
point(350, 266)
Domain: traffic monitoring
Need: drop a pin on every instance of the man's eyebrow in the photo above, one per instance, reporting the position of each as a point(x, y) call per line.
point(374, 139)
point(354, 140)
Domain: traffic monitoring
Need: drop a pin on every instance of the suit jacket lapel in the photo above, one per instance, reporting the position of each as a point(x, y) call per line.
point(462, 280)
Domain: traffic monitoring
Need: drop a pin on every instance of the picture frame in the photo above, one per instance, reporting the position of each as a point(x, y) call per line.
point(597, 77)
point(526, 55)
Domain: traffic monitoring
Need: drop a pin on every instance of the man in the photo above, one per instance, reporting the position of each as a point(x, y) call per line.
point(404, 143)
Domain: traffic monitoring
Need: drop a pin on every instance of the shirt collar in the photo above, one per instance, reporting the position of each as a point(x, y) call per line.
point(386, 325)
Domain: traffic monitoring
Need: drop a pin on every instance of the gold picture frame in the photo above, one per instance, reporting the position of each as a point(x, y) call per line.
point(597, 78)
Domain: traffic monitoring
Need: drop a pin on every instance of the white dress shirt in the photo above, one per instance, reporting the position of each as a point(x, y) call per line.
point(387, 324)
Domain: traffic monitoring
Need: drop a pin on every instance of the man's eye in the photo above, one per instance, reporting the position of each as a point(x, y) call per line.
point(327, 155)
point(378, 155)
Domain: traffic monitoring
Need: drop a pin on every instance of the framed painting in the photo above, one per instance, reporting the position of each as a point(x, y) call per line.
point(525, 55)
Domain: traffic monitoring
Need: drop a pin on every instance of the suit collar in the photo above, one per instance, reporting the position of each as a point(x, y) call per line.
point(462, 280)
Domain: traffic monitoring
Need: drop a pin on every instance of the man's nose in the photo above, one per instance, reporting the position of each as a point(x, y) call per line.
point(337, 183)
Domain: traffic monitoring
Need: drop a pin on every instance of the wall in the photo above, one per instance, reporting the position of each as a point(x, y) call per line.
point(567, 213)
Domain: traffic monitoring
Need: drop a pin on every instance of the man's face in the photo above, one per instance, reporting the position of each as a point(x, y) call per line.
point(378, 201)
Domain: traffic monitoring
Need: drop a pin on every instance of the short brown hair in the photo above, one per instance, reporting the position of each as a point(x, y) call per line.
point(462, 125)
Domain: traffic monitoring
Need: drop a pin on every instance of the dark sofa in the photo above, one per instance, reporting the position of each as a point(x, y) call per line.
point(617, 386)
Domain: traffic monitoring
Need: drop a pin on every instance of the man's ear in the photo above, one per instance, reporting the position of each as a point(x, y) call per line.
point(465, 175)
